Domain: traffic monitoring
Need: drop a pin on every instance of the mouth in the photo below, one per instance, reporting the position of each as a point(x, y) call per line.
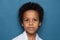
point(31, 28)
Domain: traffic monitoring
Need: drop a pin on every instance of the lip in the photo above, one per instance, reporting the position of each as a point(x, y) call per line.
point(30, 28)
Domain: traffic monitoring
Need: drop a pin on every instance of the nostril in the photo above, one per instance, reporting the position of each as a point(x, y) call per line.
point(31, 23)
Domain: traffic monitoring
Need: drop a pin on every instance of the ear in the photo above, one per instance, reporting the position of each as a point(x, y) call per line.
point(40, 24)
point(22, 24)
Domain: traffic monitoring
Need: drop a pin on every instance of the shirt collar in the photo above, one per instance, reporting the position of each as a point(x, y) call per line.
point(25, 35)
point(26, 38)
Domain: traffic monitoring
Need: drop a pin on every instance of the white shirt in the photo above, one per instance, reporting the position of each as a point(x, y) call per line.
point(23, 36)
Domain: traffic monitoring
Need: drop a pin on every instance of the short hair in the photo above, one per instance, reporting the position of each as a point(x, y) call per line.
point(30, 6)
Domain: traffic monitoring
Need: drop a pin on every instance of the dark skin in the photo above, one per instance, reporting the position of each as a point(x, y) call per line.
point(31, 23)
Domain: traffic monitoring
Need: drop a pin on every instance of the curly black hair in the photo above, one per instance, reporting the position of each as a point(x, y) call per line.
point(30, 6)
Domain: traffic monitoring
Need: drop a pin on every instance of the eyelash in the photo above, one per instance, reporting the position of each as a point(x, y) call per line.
point(35, 19)
point(28, 20)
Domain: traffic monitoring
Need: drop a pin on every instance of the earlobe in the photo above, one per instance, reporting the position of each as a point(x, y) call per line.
point(40, 24)
point(22, 24)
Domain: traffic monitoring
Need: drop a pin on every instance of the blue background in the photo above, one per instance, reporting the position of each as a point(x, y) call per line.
point(10, 28)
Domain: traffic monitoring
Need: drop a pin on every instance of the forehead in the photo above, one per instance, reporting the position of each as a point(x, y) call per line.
point(31, 14)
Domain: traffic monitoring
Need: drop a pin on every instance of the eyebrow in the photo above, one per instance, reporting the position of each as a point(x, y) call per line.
point(28, 18)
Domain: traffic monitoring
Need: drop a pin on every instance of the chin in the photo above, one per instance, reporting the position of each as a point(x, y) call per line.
point(31, 32)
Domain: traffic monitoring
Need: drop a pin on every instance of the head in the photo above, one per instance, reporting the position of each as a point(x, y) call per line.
point(31, 17)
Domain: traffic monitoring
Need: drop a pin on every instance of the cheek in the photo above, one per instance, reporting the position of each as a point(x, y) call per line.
point(25, 25)
point(36, 25)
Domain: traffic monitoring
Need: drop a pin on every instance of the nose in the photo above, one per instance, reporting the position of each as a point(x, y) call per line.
point(31, 22)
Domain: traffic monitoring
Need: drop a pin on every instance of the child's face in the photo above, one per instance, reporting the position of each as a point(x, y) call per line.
point(31, 21)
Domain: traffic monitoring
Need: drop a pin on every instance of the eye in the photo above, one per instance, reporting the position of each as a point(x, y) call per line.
point(25, 19)
point(35, 19)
